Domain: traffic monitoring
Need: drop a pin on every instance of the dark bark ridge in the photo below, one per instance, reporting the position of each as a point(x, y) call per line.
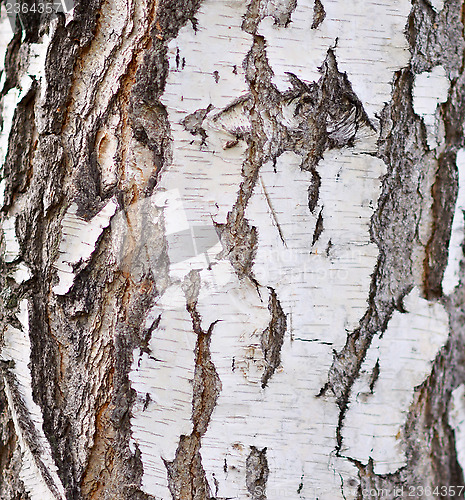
point(65, 330)
point(273, 338)
point(319, 14)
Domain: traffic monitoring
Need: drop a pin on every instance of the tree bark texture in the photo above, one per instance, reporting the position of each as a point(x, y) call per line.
point(232, 240)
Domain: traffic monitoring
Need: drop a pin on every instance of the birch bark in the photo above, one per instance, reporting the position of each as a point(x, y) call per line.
point(232, 250)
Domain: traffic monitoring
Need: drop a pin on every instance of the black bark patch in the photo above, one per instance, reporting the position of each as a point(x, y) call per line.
point(319, 14)
point(328, 115)
point(343, 109)
point(314, 190)
point(13, 63)
point(172, 15)
point(318, 227)
point(193, 123)
point(402, 145)
point(239, 240)
point(374, 377)
point(273, 337)
point(256, 469)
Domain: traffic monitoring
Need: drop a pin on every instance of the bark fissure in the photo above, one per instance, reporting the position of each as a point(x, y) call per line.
point(318, 227)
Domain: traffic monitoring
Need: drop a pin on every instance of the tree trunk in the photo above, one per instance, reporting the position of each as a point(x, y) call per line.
point(232, 250)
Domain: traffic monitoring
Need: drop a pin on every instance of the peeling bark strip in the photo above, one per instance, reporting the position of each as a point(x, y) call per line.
point(186, 476)
point(325, 148)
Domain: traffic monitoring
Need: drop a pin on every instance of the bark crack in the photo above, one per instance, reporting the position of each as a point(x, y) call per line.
point(186, 476)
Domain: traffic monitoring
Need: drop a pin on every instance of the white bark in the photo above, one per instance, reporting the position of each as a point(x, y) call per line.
point(232, 250)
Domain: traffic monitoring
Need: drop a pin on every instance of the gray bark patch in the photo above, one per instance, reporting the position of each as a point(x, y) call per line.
point(257, 473)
